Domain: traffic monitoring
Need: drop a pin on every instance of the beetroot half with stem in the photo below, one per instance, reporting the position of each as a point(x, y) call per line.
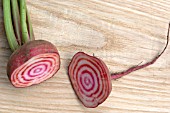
point(91, 80)
point(33, 63)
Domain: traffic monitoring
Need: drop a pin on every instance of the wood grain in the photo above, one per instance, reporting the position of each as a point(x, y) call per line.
point(121, 32)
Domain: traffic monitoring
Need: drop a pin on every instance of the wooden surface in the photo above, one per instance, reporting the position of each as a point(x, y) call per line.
point(120, 32)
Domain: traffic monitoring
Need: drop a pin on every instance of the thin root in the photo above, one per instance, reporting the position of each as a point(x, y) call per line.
point(132, 69)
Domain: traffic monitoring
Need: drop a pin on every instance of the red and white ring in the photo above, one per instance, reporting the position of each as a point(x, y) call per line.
point(36, 70)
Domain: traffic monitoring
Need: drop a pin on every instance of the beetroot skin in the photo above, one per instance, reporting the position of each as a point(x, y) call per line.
point(29, 54)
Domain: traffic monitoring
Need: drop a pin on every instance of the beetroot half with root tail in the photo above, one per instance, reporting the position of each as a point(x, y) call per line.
point(33, 63)
point(91, 80)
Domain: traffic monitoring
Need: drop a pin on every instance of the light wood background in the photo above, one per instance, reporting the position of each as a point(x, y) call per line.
point(120, 32)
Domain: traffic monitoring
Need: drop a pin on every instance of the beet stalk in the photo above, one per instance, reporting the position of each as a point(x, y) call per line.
point(33, 61)
point(91, 80)
point(12, 40)
point(16, 21)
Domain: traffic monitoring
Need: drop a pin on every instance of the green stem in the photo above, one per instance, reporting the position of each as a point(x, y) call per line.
point(30, 29)
point(16, 20)
point(23, 14)
point(8, 25)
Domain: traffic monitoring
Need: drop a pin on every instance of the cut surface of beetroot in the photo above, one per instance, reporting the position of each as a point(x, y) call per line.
point(33, 63)
point(90, 79)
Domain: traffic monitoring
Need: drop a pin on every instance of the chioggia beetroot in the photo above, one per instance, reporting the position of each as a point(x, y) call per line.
point(91, 80)
point(33, 61)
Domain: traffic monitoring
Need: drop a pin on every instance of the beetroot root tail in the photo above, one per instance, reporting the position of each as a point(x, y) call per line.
point(132, 69)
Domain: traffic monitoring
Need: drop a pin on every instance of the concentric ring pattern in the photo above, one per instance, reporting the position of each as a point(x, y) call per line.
point(90, 79)
point(35, 70)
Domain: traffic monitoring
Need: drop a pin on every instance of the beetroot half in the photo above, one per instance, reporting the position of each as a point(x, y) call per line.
point(91, 80)
point(33, 63)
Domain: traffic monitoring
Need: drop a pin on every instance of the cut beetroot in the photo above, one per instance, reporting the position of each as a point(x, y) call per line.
point(91, 79)
point(33, 63)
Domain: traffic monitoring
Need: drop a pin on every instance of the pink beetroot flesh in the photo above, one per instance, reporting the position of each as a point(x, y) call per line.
point(33, 63)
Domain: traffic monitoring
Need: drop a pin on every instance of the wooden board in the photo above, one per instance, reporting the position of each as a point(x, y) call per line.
point(122, 33)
